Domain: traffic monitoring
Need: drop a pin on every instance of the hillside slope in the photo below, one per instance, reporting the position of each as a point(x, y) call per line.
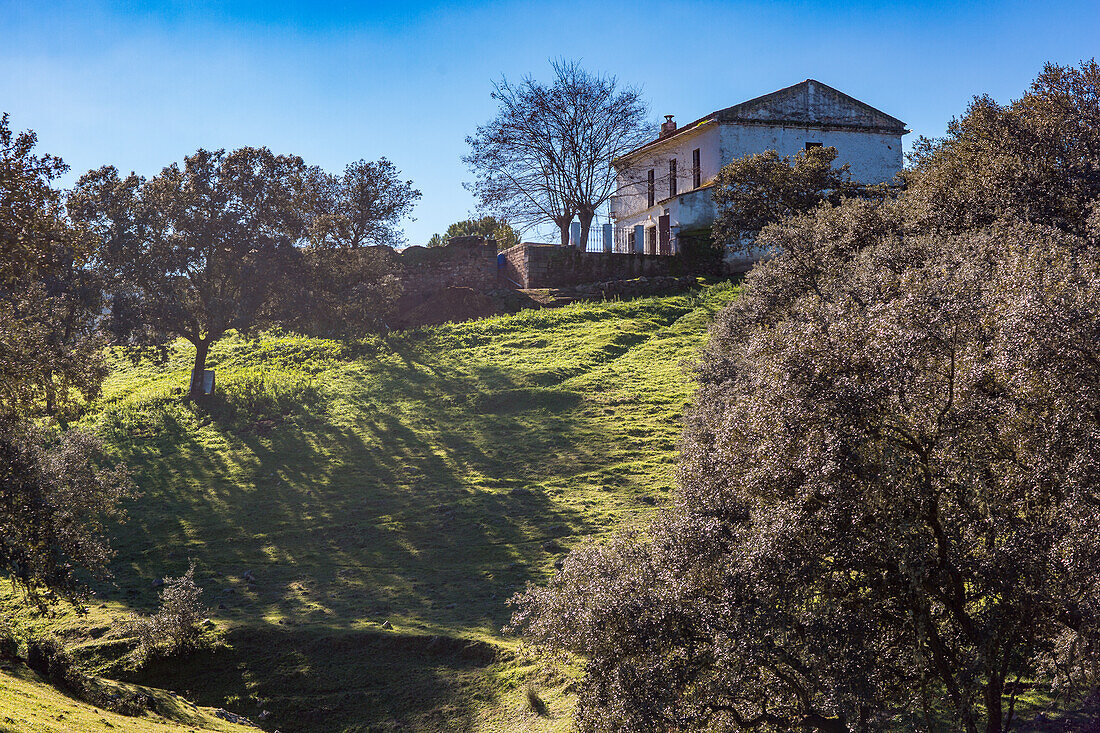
point(387, 498)
point(30, 705)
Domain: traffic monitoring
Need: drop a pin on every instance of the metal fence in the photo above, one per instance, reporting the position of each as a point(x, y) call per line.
point(624, 240)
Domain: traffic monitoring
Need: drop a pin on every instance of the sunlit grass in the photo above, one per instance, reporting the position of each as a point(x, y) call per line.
point(389, 495)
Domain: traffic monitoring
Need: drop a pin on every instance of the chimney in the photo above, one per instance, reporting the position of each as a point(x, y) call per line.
point(668, 126)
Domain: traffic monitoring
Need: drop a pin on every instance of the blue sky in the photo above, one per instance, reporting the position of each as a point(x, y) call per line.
point(142, 84)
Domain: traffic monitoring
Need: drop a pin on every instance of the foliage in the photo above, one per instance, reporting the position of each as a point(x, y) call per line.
point(888, 480)
point(1036, 159)
point(489, 227)
point(765, 188)
point(340, 292)
point(546, 156)
point(49, 295)
point(54, 498)
point(887, 491)
point(176, 625)
point(361, 207)
point(194, 252)
point(55, 503)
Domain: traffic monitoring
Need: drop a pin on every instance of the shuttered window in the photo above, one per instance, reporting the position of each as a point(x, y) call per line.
point(696, 171)
point(652, 189)
point(672, 177)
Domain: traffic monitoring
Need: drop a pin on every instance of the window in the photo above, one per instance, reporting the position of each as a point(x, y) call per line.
point(672, 177)
point(696, 170)
point(652, 189)
point(651, 240)
point(812, 145)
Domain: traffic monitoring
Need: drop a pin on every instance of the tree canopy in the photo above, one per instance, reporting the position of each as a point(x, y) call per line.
point(889, 480)
point(50, 296)
point(56, 494)
point(489, 227)
point(360, 207)
point(1036, 159)
point(196, 251)
point(756, 190)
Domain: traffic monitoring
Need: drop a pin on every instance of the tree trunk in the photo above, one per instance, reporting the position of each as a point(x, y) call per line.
point(585, 218)
point(51, 394)
point(563, 225)
point(994, 688)
point(202, 347)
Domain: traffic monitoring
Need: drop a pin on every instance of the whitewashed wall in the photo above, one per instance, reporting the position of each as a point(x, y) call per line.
point(873, 157)
point(632, 206)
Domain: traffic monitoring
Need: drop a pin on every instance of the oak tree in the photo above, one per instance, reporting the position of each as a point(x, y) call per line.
point(890, 472)
point(196, 250)
point(57, 495)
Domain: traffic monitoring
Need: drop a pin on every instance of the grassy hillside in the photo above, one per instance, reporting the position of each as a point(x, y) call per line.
point(388, 497)
point(29, 705)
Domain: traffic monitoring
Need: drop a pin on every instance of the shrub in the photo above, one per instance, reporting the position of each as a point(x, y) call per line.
point(175, 626)
point(9, 645)
point(48, 657)
point(536, 703)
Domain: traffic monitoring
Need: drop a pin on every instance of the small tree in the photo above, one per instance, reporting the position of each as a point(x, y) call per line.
point(765, 188)
point(176, 624)
point(489, 227)
point(196, 251)
point(361, 207)
point(56, 502)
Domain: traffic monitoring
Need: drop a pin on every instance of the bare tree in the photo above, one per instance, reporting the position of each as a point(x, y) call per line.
point(546, 156)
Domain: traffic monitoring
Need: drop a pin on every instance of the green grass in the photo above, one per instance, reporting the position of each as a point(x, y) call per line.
point(29, 705)
point(417, 481)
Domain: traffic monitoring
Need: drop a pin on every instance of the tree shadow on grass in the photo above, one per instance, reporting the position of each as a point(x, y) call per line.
point(349, 681)
point(419, 509)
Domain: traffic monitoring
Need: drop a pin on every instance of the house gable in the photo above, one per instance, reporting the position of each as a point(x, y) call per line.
point(811, 104)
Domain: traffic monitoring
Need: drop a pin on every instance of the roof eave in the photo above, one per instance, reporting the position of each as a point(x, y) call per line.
point(690, 127)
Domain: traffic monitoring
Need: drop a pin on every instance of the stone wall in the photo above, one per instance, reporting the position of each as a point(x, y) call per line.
point(533, 265)
point(469, 262)
point(515, 265)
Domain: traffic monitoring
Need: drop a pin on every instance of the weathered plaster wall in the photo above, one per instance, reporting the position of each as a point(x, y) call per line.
point(634, 180)
point(874, 157)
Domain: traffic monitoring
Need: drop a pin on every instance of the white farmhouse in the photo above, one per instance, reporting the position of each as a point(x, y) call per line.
point(663, 189)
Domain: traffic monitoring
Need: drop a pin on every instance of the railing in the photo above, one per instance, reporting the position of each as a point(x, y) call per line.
point(624, 240)
point(621, 241)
